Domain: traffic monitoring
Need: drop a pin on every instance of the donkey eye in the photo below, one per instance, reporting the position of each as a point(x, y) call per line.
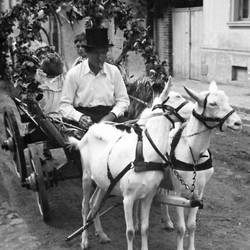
point(213, 104)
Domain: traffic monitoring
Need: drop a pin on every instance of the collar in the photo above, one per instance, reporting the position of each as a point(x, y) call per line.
point(87, 70)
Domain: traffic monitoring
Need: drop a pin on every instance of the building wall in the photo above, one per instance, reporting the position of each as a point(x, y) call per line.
point(135, 63)
point(162, 38)
point(226, 49)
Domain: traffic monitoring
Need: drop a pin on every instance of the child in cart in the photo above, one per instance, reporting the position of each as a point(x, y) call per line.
point(51, 77)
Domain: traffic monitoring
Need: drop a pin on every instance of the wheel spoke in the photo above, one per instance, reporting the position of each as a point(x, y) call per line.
point(8, 132)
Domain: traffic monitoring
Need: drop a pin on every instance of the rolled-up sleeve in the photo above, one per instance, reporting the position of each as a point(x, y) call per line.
point(121, 95)
point(68, 94)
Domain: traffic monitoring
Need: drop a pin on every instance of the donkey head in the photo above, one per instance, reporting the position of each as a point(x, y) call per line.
point(178, 108)
point(213, 108)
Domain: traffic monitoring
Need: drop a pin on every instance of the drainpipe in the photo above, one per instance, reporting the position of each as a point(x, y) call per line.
point(169, 52)
point(189, 44)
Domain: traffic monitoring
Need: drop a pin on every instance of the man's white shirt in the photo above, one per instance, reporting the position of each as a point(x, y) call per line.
point(82, 88)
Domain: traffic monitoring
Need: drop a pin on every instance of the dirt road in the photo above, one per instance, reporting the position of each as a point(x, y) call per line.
point(223, 224)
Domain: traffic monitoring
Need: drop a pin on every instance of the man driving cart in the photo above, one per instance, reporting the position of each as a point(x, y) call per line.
point(94, 90)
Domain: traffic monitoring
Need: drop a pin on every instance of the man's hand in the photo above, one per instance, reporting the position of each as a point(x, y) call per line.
point(85, 121)
point(109, 117)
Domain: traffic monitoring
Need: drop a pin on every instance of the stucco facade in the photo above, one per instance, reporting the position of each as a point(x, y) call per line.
point(216, 49)
point(225, 52)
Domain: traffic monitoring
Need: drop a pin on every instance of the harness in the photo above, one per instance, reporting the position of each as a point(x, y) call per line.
point(139, 165)
point(172, 110)
point(183, 166)
point(204, 119)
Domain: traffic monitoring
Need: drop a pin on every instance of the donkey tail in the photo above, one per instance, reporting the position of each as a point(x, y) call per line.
point(78, 144)
point(74, 142)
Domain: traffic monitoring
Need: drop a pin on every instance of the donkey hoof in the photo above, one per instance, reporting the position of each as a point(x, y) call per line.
point(197, 203)
point(167, 225)
point(103, 238)
point(84, 245)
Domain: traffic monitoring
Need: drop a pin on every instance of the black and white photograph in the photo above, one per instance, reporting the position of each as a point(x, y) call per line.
point(125, 124)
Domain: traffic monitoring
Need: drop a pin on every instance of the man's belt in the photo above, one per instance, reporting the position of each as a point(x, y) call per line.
point(96, 113)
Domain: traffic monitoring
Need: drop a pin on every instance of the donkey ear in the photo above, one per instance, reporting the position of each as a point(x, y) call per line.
point(170, 82)
point(213, 87)
point(166, 90)
point(194, 95)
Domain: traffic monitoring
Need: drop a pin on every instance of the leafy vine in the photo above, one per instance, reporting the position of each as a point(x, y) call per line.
point(19, 63)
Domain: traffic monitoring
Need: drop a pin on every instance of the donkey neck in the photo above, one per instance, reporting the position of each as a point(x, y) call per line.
point(197, 137)
point(158, 128)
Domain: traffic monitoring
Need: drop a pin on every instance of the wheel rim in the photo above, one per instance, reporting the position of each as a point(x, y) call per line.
point(41, 195)
point(12, 131)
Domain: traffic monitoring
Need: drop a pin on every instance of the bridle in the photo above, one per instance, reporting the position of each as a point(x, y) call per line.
point(165, 107)
point(204, 119)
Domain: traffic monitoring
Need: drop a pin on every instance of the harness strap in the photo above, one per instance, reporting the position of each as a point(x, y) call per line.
point(183, 166)
point(180, 165)
point(113, 182)
point(175, 141)
point(165, 158)
point(139, 146)
point(149, 166)
point(139, 164)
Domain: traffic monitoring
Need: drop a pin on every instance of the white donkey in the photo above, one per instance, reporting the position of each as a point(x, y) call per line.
point(105, 146)
point(190, 156)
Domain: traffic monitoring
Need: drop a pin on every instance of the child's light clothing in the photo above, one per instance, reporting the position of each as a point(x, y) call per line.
point(52, 90)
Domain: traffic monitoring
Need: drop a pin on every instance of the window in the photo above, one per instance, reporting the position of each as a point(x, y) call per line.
point(239, 73)
point(240, 13)
point(244, 9)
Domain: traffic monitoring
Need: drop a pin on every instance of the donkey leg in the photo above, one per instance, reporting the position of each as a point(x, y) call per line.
point(96, 200)
point(137, 205)
point(145, 210)
point(191, 226)
point(180, 227)
point(166, 221)
point(128, 203)
point(86, 185)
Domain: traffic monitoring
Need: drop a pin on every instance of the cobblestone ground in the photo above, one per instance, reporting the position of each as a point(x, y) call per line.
point(14, 233)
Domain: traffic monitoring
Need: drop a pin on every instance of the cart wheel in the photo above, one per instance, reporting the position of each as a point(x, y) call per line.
point(40, 189)
point(14, 143)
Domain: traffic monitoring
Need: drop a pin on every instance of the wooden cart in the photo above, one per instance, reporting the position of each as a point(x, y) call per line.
point(35, 172)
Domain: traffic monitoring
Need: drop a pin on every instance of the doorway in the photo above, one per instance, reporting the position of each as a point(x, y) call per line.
point(187, 42)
